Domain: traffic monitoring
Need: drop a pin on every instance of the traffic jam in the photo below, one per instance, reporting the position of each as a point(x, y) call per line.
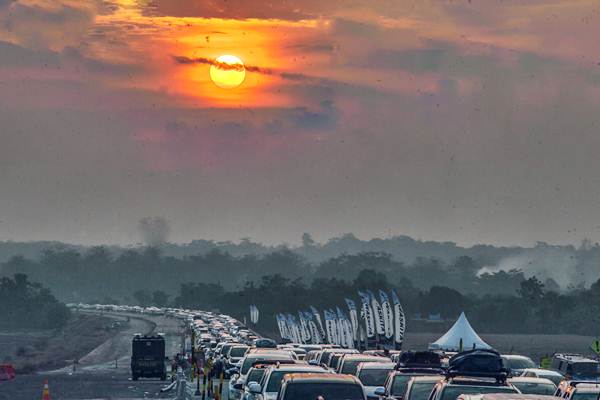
point(458, 366)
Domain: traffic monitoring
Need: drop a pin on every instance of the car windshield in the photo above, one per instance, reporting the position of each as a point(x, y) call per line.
point(350, 366)
point(238, 352)
point(585, 369)
point(373, 377)
point(519, 363)
point(555, 378)
point(334, 360)
point(399, 385)
point(420, 390)
point(255, 375)
point(327, 391)
point(249, 362)
point(276, 377)
point(325, 358)
point(452, 392)
point(535, 388)
point(585, 396)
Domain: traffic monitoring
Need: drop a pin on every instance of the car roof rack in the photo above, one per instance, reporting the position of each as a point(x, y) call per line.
point(477, 363)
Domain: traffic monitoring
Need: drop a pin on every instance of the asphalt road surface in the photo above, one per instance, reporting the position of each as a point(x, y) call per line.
point(104, 373)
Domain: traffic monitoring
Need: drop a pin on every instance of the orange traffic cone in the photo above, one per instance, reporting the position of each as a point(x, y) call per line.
point(46, 391)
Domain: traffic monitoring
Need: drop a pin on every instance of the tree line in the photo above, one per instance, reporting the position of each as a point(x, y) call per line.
point(28, 304)
point(501, 301)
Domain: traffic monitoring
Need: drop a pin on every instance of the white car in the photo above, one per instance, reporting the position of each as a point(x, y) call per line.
point(237, 381)
point(373, 375)
point(271, 382)
point(554, 376)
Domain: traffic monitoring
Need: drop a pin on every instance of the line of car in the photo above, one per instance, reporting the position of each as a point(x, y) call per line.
point(270, 373)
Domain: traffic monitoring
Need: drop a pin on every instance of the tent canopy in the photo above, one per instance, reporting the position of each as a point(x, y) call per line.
point(461, 330)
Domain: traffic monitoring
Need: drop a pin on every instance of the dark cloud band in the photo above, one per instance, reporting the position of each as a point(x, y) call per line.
point(240, 67)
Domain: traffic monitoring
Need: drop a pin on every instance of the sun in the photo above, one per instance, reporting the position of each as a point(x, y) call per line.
point(227, 72)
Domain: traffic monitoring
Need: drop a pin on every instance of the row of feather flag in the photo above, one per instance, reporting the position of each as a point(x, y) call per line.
point(380, 322)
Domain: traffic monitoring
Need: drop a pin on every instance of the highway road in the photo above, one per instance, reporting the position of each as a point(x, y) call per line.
point(104, 373)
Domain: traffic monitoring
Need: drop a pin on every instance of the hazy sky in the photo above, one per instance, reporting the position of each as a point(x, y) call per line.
point(470, 121)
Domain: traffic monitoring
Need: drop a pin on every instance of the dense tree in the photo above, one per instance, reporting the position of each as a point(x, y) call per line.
point(29, 305)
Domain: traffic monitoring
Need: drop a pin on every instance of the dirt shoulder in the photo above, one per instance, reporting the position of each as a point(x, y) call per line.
point(31, 351)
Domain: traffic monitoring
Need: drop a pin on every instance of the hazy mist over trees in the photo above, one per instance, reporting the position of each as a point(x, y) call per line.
point(494, 293)
point(566, 265)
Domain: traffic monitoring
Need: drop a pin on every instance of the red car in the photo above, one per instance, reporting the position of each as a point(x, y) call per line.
point(7, 372)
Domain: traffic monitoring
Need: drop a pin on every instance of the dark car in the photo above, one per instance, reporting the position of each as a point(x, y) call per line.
point(576, 366)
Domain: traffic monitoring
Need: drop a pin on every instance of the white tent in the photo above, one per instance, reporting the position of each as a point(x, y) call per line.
point(460, 331)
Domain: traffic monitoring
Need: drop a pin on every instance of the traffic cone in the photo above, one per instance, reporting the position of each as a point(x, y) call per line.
point(46, 391)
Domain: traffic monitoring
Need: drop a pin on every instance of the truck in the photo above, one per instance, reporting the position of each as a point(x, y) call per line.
point(148, 357)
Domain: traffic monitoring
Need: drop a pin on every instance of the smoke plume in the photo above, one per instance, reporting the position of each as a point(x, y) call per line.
point(154, 230)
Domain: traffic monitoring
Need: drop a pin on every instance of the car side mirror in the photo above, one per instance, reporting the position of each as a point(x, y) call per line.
point(379, 391)
point(238, 386)
point(254, 388)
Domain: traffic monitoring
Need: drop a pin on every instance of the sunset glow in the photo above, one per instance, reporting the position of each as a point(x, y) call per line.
point(227, 72)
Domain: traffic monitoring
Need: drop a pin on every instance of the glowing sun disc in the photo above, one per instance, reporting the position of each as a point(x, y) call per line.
point(227, 72)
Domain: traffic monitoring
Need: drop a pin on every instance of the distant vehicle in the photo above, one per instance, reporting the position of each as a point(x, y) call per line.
point(326, 386)
point(235, 354)
point(555, 376)
point(349, 363)
point(325, 357)
point(533, 385)
point(575, 366)
point(397, 383)
point(148, 357)
point(265, 356)
point(373, 375)
point(7, 372)
point(516, 364)
point(265, 343)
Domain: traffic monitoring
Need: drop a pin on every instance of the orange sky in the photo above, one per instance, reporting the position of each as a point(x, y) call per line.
point(356, 115)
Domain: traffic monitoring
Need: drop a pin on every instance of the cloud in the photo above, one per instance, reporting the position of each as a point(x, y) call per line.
point(49, 24)
point(240, 67)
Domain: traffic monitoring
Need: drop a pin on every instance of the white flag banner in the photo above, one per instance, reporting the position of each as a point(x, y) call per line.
point(305, 333)
point(253, 314)
point(347, 340)
point(296, 336)
point(349, 335)
point(315, 334)
point(367, 315)
point(399, 320)
point(379, 320)
point(353, 318)
point(282, 324)
point(329, 327)
point(319, 322)
point(388, 315)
